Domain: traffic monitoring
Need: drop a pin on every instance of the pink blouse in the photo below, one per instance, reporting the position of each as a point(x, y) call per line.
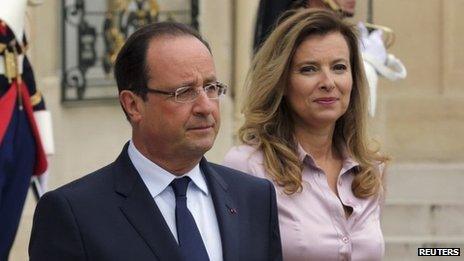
point(313, 225)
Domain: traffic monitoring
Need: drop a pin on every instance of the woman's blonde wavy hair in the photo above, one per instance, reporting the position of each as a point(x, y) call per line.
point(268, 122)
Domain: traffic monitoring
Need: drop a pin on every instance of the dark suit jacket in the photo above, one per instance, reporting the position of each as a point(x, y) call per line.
point(110, 215)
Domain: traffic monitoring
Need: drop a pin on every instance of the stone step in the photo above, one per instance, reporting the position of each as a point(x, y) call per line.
point(420, 218)
point(406, 248)
point(428, 182)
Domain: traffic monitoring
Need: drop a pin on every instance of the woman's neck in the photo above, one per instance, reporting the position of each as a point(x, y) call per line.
point(318, 142)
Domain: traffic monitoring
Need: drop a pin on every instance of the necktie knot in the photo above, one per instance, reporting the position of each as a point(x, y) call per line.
point(180, 186)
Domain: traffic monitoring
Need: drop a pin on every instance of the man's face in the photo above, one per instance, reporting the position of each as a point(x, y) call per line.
point(168, 128)
point(347, 6)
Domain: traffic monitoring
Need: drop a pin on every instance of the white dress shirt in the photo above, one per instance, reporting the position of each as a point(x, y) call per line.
point(199, 200)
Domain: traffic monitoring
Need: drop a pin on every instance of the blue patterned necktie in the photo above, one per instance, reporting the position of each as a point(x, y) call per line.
point(190, 242)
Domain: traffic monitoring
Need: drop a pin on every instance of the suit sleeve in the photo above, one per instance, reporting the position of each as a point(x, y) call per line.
point(55, 233)
point(275, 242)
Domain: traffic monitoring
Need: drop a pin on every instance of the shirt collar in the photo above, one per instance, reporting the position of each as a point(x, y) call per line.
point(158, 179)
point(348, 161)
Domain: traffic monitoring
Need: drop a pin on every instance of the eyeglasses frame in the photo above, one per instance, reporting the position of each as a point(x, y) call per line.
point(177, 91)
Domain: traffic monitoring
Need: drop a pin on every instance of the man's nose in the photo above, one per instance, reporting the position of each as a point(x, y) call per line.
point(203, 104)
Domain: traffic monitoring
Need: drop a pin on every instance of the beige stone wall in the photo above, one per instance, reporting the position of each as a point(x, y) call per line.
point(245, 12)
point(422, 116)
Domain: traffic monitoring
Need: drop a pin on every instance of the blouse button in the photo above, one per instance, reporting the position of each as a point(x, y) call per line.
point(345, 240)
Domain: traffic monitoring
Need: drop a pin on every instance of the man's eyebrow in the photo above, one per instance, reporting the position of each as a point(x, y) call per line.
point(188, 83)
point(210, 79)
point(192, 82)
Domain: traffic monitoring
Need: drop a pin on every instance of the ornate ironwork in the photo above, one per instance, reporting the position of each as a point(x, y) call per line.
point(93, 31)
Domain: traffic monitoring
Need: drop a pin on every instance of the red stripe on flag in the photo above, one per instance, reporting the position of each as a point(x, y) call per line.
point(41, 159)
point(2, 28)
point(7, 103)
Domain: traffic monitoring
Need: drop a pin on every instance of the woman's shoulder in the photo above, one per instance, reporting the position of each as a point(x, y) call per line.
point(245, 158)
point(242, 153)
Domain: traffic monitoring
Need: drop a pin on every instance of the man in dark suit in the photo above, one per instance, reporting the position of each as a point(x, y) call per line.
point(161, 199)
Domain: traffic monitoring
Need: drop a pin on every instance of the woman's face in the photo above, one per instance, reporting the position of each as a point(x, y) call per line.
point(320, 80)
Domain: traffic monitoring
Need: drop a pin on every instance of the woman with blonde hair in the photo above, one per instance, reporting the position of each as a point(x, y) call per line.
point(305, 130)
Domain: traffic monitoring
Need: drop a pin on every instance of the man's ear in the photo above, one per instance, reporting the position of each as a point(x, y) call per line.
point(132, 105)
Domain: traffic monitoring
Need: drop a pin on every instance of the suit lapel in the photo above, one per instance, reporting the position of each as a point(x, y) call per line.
point(226, 211)
point(141, 210)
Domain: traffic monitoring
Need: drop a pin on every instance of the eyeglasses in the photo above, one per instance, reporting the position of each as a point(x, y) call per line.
point(188, 94)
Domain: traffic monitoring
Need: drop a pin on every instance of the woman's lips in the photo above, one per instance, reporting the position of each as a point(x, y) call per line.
point(326, 101)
